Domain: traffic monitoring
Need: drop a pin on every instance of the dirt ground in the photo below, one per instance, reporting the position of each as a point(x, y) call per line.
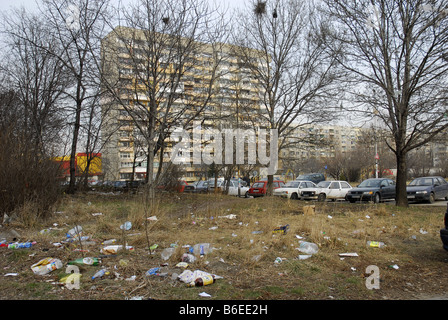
point(251, 266)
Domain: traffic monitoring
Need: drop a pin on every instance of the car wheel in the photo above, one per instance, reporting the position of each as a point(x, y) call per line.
point(376, 198)
point(294, 196)
point(246, 195)
point(432, 198)
point(321, 197)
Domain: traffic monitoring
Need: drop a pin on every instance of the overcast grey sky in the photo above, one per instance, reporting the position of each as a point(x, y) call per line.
point(8, 4)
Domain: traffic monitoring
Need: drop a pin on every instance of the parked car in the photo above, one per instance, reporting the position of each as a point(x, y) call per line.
point(258, 188)
point(292, 189)
point(314, 177)
point(427, 189)
point(375, 189)
point(444, 231)
point(178, 186)
point(211, 185)
point(333, 190)
point(233, 189)
point(120, 185)
point(197, 187)
point(310, 192)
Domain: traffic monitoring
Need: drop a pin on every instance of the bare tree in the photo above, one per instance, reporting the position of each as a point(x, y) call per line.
point(36, 76)
point(282, 44)
point(78, 26)
point(165, 67)
point(395, 52)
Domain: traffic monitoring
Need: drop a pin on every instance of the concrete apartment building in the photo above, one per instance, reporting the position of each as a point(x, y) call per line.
point(215, 82)
point(212, 80)
point(316, 142)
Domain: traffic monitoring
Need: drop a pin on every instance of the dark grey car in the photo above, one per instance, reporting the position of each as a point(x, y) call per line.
point(198, 187)
point(427, 189)
point(375, 189)
point(314, 177)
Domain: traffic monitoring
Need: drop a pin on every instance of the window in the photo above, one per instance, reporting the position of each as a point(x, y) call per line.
point(334, 185)
point(126, 176)
point(345, 185)
point(309, 185)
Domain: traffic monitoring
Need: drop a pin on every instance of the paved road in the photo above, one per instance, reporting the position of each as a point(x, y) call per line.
point(438, 203)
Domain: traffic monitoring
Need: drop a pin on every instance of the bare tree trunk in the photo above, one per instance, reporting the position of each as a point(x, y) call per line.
point(72, 185)
point(401, 196)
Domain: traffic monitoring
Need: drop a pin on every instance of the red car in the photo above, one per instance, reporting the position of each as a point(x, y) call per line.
point(259, 188)
point(178, 187)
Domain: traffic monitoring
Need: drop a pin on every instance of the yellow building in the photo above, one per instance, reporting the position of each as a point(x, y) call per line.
point(81, 161)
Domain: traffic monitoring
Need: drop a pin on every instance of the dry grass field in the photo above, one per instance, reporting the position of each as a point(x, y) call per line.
point(245, 255)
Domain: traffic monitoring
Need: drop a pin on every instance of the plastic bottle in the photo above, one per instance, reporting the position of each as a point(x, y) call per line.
point(86, 261)
point(204, 280)
point(308, 247)
point(112, 241)
point(99, 274)
point(126, 226)
point(166, 253)
point(76, 238)
point(152, 271)
point(74, 232)
point(201, 249)
point(114, 249)
point(20, 245)
point(375, 244)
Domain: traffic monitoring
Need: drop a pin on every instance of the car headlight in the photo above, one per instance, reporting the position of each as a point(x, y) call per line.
point(422, 192)
point(368, 192)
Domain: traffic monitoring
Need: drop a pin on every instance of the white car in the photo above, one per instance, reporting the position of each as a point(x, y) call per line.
point(292, 189)
point(333, 190)
point(233, 187)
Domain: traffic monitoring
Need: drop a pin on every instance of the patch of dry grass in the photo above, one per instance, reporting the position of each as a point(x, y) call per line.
point(244, 245)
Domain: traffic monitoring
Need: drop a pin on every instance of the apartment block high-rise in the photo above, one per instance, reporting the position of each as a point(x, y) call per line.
point(186, 81)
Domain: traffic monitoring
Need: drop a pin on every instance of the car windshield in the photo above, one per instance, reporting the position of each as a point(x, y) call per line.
point(258, 185)
point(323, 184)
point(303, 177)
point(292, 184)
point(370, 183)
point(421, 182)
